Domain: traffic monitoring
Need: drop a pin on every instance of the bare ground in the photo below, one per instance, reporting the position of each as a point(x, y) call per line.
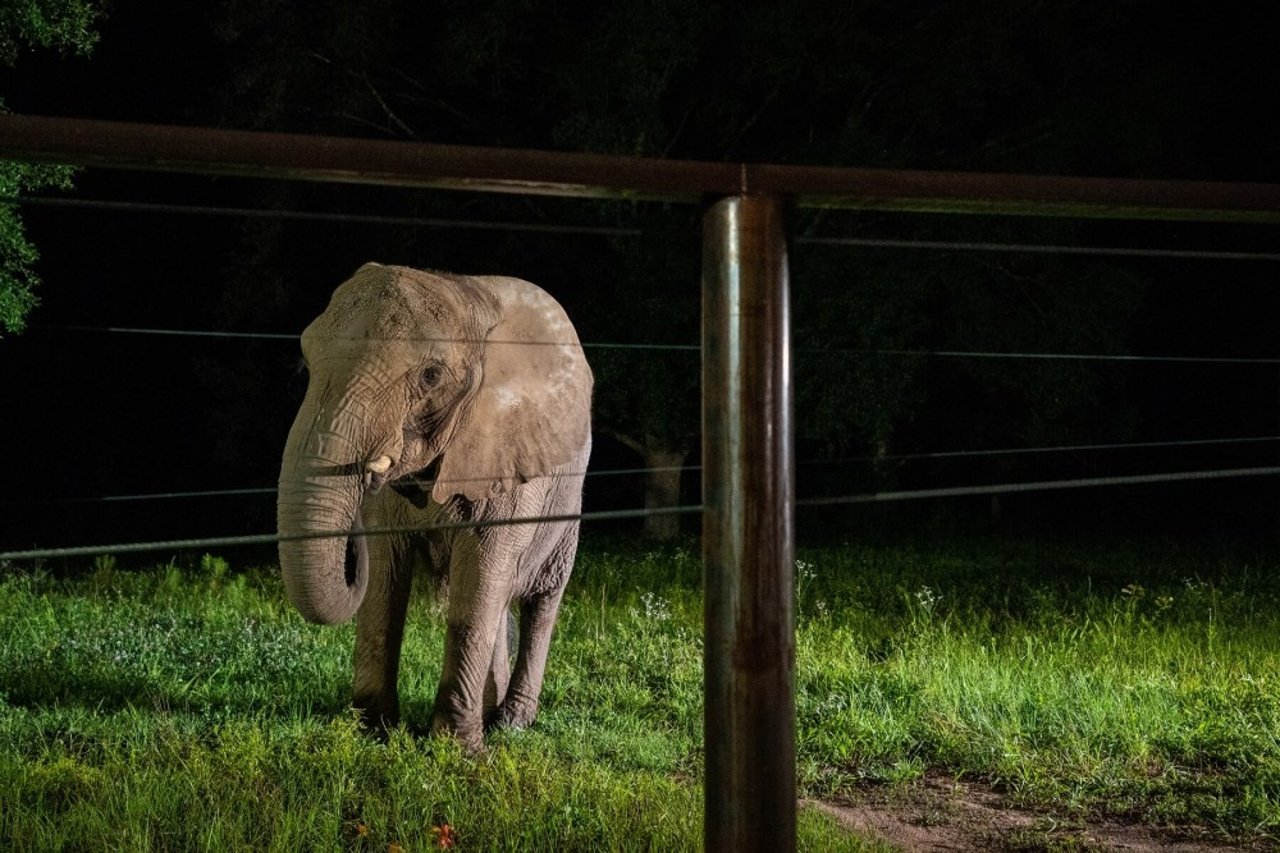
point(939, 813)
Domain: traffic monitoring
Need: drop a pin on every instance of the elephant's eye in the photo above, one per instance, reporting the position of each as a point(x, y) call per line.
point(432, 375)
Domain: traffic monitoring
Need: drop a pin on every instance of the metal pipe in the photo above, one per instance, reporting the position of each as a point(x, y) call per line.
point(748, 499)
point(217, 151)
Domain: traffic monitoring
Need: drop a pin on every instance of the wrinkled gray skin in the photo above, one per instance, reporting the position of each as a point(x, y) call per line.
point(483, 380)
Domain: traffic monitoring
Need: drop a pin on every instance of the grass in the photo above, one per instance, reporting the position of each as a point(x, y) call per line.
point(188, 708)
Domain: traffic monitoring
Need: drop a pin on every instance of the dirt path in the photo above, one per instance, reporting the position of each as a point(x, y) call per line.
point(940, 814)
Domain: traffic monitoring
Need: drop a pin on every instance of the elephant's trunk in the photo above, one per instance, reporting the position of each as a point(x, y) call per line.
point(324, 575)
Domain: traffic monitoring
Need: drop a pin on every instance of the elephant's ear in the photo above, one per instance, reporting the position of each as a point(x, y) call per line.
point(532, 411)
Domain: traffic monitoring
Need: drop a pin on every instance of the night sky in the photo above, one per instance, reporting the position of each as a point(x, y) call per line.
point(1127, 90)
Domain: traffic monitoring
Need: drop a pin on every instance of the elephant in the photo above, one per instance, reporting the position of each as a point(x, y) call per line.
point(435, 402)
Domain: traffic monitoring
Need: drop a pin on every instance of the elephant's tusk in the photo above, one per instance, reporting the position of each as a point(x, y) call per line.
point(379, 466)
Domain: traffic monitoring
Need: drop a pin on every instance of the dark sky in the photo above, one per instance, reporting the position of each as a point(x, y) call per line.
point(98, 414)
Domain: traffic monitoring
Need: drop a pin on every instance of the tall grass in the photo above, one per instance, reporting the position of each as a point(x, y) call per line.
point(1145, 684)
point(188, 708)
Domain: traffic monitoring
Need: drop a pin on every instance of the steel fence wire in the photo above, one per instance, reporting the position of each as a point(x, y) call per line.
point(1068, 448)
point(1040, 356)
point(271, 538)
point(1042, 486)
point(320, 216)
point(1063, 356)
point(1037, 249)
point(280, 336)
point(612, 515)
point(616, 472)
point(612, 231)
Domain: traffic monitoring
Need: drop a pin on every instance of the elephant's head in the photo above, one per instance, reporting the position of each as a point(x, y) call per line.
point(485, 375)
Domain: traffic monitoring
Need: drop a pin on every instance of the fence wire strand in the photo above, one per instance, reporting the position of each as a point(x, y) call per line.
point(617, 472)
point(1042, 356)
point(271, 538)
point(320, 216)
point(1031, 248)
point(414, 481)
point(1076, 448)
point(611, 515)
point(280, 336)
point(618, 231)
point(1058, 356)
point(1041, 486)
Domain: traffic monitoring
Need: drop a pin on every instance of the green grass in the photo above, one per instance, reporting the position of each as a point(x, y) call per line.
point(1140, 683)
point(188, 708)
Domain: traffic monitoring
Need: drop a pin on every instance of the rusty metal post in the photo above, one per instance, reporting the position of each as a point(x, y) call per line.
point(748, 497)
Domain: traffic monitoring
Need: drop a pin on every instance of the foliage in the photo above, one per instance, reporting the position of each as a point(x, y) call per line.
point(855, 316)
point(62, 25)
point(18, 256)
point(190, 708)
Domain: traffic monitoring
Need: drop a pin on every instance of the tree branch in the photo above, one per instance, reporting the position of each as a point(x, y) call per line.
point(622, 438)
point(395, 119)
point(429, 97)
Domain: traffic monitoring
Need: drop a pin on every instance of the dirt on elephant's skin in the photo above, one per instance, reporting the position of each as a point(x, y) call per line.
point(939, 813)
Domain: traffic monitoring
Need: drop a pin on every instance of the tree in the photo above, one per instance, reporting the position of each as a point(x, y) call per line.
point(67, 26)
point(648, 374)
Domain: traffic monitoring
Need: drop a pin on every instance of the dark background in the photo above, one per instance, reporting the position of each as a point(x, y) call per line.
point(1124, 89)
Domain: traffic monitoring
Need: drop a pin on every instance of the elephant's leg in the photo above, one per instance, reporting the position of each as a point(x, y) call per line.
point(495, 688)
point(479, 592)
point(379, 632)
point(537, 621)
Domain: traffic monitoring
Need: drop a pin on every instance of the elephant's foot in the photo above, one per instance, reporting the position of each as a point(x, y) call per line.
point(378, 715)
point(512, 715)
point(471, 737)
point(451, 717)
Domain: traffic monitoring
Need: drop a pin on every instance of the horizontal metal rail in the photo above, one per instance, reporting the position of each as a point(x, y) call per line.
point(369, 161)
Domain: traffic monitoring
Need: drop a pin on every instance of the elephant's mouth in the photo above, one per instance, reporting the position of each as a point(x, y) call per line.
point(417, 488)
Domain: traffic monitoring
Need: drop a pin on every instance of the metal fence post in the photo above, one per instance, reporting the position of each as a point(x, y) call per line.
point(748, 550)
